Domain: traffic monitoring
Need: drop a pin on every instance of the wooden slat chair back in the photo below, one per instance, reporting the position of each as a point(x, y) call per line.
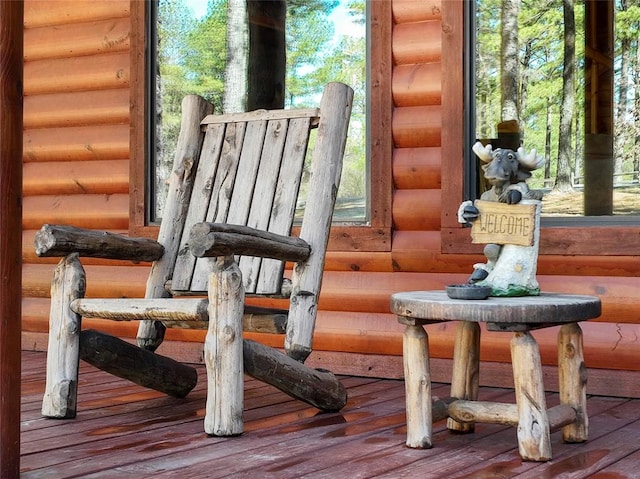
point(249, 174)
point(235, 176)
point(245, 169)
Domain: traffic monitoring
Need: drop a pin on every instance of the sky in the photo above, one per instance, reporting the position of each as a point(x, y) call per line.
point(338, 16)
point(199, 7)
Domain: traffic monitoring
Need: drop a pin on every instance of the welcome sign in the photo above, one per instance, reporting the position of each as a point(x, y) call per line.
point(501, 223)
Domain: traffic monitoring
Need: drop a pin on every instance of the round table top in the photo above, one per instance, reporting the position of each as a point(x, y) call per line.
point(547, 308)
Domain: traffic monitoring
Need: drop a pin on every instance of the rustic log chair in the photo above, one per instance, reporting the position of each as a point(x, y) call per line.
point(225, 232)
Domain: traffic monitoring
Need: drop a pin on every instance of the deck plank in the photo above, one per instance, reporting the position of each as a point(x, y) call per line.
point(125, 430)
point(160, 430)
point(497, 456)
point(625, 467)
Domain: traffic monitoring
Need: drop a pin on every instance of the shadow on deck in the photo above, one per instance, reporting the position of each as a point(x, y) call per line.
point(125, 430)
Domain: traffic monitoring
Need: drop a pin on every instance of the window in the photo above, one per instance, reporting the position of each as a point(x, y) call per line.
point(200, 68)
point(592, 191)
point(594, 171)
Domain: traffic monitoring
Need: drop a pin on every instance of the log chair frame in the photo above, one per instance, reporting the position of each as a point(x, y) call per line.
point(197, 250)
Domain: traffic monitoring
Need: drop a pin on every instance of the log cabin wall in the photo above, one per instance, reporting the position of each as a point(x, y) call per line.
point(76, 139)
point(76, 171)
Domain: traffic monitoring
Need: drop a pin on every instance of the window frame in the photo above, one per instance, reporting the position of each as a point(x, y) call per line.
point(374, 236)
point(576, 240)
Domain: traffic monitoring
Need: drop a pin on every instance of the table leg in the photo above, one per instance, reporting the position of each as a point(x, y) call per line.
point(466, 369)
point(534, 441)
point(573, 381)
point(417, 382)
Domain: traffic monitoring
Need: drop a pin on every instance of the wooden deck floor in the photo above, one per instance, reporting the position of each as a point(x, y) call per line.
point(123, 430)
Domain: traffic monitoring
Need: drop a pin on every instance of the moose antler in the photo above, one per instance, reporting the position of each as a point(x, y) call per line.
point(485, 153)
point(531, 161)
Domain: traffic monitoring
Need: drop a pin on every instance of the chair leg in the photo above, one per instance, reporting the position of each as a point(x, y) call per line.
point(573, 381)
point(223, 350)
point(417, 380)
point(63, 352)
point(466, 369)
point(534, 440)
point(150, 334)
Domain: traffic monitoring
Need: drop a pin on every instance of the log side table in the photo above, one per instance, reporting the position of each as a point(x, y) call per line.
point(518, 315)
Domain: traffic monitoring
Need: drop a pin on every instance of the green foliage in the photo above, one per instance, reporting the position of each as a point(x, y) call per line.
point(204, 53)
point(541, 46)
point(192, 58)
point(308, 34)
point(628, 22)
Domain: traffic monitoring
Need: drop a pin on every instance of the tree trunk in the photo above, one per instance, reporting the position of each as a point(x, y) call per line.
point(578, 152)
point(622, 127)
point(636, 116)
point(547, 143)
point(235, 92)
point(598, 111)
point(563, 178)
point(509, 75)
point(267, 54)
point(524, 79)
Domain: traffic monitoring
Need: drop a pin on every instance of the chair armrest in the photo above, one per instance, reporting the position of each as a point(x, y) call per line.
point(57, 240)
point(218, 239)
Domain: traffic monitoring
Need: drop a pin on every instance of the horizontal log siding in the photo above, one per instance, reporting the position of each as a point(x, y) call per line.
point(416, 85)
point(350, 319)
point(354, 306)
point(417, 126)
point(76, 108)
point(74, 177)
point(354, 291)
point(87, 38)
point(416, 210)
point(417, 123)
point(409, 11)
point(416, 249)
point(76, 139)
point(43, 13)
point(77, 143)
point(103, 212)
point(417, 42)
point(76, 74)
point(416, 168)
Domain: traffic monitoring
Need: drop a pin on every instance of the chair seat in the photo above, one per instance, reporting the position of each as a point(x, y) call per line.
point(188, 313)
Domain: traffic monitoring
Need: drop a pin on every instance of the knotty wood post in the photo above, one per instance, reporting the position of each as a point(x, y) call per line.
point(223, 350)
point(59, 240)
point(63, 351)
point(128, 361)
point(417, 383)
point(11, 54)
point(326, 168)
point(573, 381)
point(534, 441)
point(185, 165)
point(466, 369)
point(317, 387)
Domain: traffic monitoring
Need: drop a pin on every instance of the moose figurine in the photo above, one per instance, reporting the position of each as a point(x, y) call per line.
point(510, 269)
